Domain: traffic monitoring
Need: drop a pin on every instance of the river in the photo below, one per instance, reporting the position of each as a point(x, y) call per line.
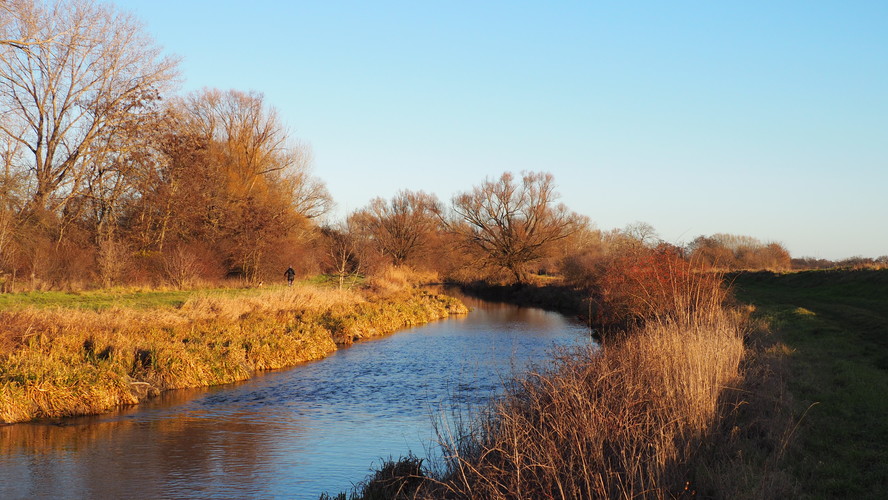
point(295, 433)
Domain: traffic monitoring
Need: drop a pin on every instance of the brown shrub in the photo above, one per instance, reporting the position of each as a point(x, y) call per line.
point(632, 288)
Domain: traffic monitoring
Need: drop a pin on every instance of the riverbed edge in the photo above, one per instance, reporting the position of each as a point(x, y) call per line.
point(62, 370)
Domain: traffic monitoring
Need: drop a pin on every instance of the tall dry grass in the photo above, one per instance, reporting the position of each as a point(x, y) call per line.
point(395, 279)
point(614, 422)
point(622, 420)
point(64, 362)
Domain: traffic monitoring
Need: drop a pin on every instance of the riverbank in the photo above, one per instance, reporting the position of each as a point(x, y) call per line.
point(655, 411)
point(799, 416)
point(67, 361)
point(554, 297)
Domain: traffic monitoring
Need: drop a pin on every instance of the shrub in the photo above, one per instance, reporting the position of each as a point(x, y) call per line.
point(653, 285)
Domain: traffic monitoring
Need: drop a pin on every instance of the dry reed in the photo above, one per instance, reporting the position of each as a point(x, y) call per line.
point(621, 420)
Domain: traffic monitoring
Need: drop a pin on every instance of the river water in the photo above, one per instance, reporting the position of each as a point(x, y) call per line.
point(318, 427)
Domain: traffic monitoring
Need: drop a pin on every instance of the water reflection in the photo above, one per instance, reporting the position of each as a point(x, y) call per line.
point(294, 433)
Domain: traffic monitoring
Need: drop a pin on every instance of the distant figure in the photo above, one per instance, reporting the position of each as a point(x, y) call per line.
point(290, 274)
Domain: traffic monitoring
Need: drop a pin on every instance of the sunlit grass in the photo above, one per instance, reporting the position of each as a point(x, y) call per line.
point(98, 299)
point(71, 354)
point(619, 421)
point(143, 298)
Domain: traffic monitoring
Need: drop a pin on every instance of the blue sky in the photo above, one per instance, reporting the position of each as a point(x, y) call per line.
point(767, 119)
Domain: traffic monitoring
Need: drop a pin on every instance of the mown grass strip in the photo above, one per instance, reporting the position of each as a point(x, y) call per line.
point(96, 300)
point(836, 326)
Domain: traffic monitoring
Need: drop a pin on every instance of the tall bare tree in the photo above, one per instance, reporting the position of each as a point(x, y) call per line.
point(24, 39)
point(254, 147)
point(401, 227)
point(229, 176)
point(91, 77)
point(513, 223)
point(643, 233)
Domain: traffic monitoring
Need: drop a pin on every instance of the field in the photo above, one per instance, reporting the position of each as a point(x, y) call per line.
point(833, 329)
point(140, 297)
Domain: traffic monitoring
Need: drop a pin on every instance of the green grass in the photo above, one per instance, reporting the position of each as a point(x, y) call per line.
point(333, 280)
point(837, 324)
point(97, 299)
point(137, 298)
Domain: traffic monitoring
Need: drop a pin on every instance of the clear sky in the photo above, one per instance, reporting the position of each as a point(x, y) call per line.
point(767, 119)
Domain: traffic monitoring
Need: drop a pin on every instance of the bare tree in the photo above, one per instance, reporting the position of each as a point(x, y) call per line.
point(309, 193)
point(181, 266)
point(66, 99)
point(400, 228)
point(249, 136)
point(9, 10)
point(226, 174)
point(10, 199)
point(261, 185)
point(644, 233)
point(253, 147)
point(513, 223)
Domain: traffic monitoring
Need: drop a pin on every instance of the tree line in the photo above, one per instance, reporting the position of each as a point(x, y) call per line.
point(110, 177)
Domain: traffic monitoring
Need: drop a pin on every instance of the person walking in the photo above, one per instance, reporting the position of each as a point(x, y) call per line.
point(290, 274)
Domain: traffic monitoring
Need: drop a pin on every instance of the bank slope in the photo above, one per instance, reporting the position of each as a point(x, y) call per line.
point(65, 362)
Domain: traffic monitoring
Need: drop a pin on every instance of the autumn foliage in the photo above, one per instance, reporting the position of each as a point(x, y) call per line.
point(656, 284)
point(108, 177)
point(729, 252)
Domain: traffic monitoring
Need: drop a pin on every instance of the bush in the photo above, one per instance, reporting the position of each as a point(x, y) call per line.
point(657, 284)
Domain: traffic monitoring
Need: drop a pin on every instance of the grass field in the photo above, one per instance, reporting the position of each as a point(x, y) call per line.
point(96, 300)
point(141, 298)
point(835, 326)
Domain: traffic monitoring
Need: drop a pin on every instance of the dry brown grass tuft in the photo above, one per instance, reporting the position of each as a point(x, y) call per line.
point(303, 298)
point(398, 279)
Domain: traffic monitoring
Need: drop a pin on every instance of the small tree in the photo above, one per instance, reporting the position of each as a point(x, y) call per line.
point(111, 261)
point(513, 223)
point(343, 253)
point(181, 266)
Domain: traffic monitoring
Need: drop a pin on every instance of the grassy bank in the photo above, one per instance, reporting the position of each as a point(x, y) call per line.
point(831, 330)
point(58, 361)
